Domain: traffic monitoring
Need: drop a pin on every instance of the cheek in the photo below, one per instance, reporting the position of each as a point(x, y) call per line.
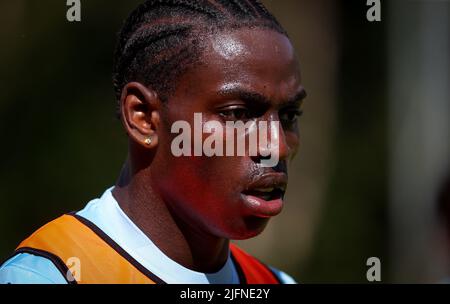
point(293, 142)
point(201, 175)
point(202, 191)
point(206, 177)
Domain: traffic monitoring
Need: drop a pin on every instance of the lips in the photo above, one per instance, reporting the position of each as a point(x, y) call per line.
point(264, 196)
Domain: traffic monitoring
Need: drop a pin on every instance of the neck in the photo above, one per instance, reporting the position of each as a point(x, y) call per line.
point(183, 243)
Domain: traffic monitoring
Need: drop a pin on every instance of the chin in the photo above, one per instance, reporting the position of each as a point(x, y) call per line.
point(250, 227)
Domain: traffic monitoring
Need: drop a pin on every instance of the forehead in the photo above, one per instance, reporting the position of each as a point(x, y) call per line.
point(258, 59)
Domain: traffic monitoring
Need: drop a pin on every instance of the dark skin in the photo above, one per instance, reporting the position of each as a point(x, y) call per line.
point(190, 207)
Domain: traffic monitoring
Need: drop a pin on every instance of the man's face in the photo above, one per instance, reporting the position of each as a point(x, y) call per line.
point(248, 75)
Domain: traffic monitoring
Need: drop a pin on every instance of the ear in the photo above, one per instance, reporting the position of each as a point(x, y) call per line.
point(140, 114)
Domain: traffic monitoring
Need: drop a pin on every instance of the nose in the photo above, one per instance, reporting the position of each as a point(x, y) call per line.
point(272, 142)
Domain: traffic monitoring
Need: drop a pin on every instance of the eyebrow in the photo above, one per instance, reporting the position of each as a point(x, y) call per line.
point(258, 98)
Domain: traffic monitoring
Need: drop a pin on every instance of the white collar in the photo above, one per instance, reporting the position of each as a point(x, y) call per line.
point(107, 215)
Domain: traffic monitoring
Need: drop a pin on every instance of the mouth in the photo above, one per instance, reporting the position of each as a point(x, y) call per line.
point(266, 194)
point(264, 197)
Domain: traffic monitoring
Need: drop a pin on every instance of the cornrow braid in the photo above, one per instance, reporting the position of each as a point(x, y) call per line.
point(238, 7)
point(265, 13)
point(161, 39)
point(152, 41)
point(140, 14)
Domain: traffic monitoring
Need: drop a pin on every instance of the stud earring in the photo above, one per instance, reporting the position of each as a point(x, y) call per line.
point(148, 140)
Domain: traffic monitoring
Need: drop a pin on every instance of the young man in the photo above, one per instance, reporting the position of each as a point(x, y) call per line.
point(170, 217)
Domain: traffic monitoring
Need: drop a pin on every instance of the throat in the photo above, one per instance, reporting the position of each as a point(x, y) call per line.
point(187, 246)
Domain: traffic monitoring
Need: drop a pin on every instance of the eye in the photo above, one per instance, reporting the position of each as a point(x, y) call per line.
point(235, 113)
point(290, 116)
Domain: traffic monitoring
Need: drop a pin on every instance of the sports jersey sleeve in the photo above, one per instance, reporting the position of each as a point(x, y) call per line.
point(24, 268)
point(282, 276)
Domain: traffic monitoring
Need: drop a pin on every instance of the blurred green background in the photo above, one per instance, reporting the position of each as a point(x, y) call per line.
point(62, 145)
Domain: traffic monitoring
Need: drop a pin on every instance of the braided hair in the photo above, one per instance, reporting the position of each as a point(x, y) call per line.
point(161, 39)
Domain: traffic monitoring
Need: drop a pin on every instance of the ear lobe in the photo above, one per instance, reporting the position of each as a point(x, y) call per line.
point(140, 114)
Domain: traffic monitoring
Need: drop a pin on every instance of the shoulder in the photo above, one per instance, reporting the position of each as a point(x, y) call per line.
point(282, 276)
point(24, 268)
point(256, 270)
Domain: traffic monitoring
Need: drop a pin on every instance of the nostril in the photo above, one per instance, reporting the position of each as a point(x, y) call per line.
point(258, 159)
point(281, 167)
